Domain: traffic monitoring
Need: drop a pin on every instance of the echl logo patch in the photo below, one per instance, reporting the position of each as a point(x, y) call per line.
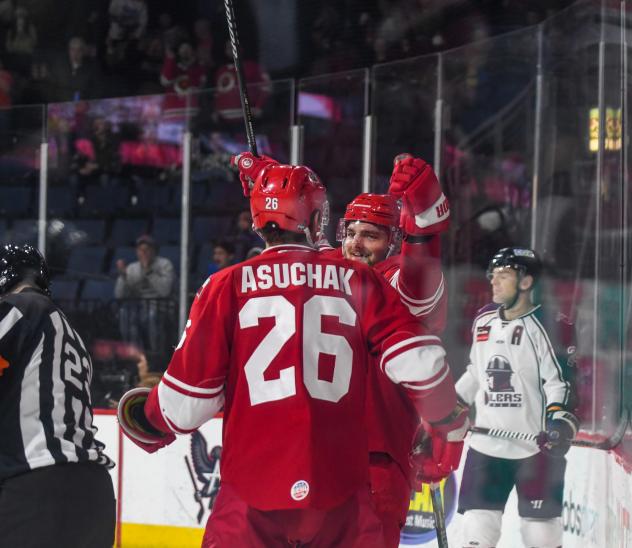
point(299, 490)
point(246, 163)
point(206, 466)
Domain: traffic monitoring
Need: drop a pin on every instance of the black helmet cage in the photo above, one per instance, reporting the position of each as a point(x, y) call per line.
point(19, 261)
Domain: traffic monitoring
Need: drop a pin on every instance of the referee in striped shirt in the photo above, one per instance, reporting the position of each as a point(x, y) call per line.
point(55, 490)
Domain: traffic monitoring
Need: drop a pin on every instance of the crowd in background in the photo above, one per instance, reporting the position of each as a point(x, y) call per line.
point(117, 164)
point(91, 49)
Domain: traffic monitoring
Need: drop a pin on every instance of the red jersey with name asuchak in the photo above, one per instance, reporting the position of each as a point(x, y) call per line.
point(282, 342)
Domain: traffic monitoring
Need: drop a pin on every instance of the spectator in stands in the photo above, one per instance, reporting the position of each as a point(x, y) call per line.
point(146, 377)
point(146, 284)
point(204, 42)
point(152, 56)
point(223, 254)
point(151, 277)
point(128, 22)
point(181, 73)
point(76, 78)
point(245, 237)
point(22, 36)
point(227, 98)
point(97, 158)
point(170, 34)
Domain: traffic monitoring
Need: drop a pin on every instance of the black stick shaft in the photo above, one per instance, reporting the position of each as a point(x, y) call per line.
point(439, 515)
point(241, 80)
point(607, 444)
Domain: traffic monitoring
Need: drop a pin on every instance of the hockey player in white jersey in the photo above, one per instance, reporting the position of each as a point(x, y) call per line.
point(517, 383)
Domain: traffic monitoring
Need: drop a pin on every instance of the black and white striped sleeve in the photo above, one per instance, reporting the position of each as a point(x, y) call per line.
point(10, 323)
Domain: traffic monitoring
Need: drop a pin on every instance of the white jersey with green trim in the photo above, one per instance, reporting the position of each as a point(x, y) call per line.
point(512, 376)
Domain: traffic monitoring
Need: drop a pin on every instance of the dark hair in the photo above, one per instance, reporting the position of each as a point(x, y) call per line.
point(146, 239)
point(229, 247)
point(272, 234)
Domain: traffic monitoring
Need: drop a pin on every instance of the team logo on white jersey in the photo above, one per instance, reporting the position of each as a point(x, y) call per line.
point(299, 490)
point(500, 392)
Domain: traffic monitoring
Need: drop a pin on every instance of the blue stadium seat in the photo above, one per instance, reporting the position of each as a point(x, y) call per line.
point(98, 290)
point(166, 230)
point(203, 257)
point(62, 202)
point(199, 191)
point(206, 229)
point(200, 269)
point(16, 201)
point(156, 198)
point(64, 289)
point(99, 200)
point(24, 231)
point(90, 231)
point(223, 194)
point(4, 231)
point(125, 231)
point(171, 252)
point(85, 261)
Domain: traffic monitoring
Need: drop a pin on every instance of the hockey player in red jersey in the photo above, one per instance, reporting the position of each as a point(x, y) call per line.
point(399, 235)
point(374, 229)
point(282, 342)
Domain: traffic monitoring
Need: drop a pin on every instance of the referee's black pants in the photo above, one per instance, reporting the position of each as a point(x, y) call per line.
point(62, 506)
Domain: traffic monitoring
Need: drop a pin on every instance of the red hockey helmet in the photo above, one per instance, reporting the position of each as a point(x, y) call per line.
point(287, 196)
point(377, 209)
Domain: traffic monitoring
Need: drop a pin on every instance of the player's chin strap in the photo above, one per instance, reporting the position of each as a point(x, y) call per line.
point(308, 236)
point(394, 243)
point(518, 291)
point(320, 234)
point(513, 301)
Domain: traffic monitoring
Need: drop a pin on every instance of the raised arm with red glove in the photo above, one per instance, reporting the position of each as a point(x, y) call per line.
point(424, 215)
point(425, 209)
point(250, 166)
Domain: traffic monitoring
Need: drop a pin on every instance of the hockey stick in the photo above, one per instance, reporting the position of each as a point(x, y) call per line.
point(605, 445)
point(439, 515)
point(422, 446)
point(241, 80)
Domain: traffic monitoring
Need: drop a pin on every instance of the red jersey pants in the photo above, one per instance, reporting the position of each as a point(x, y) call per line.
point(390, 495)
point(233, 523)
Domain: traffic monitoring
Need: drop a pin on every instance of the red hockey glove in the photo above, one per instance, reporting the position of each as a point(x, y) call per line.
point(134, 423)
point(250, 167)
point(425, 209)
point(437, 448)
point(561, 429)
